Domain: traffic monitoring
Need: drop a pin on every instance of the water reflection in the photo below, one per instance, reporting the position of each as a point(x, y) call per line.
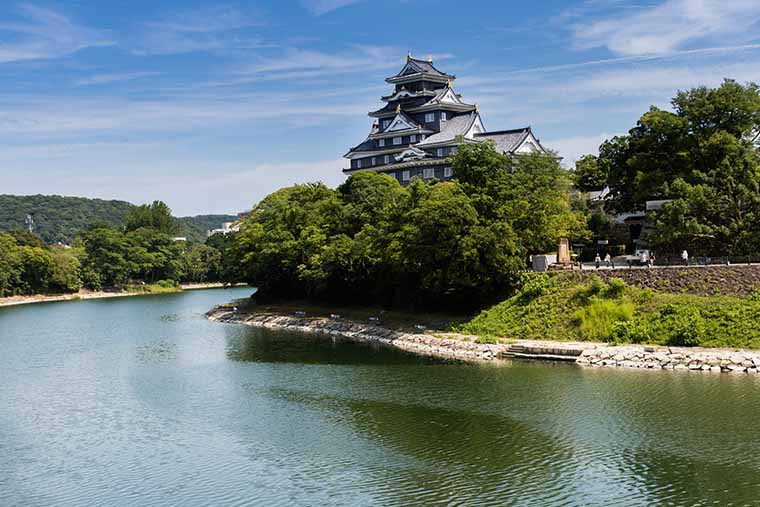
point(142, 402)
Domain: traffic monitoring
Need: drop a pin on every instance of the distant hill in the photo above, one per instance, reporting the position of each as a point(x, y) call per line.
point(58, 218)
point(195, 228)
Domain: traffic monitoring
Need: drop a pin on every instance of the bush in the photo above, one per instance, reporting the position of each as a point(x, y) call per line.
point(615, 288)
point(596, 321)
point(682, 326)
point(631, 331)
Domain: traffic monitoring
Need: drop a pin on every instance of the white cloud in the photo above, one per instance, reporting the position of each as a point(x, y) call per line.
point(320, 7)
point(99, 79)
point(44, 34)
point(203, 30)
point(669, 26)
point(573, 148)
point(142, 172)
point(358, 59)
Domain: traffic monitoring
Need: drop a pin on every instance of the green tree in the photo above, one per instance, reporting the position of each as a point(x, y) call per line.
point(156, 216)
point(589, 174)
point(700, 156)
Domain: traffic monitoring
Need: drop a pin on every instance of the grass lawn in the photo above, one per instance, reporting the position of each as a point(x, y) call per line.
point(555, 308)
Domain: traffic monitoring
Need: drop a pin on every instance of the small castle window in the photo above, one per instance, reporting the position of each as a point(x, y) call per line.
point(439, 152)
point(429, 117)
point(443, 116)
point(386, 123)
point(413, 138)
point(386, 159)
point(396, 140)
point(374, 160)
point(381, 142)
point(405, 175)
point(428, 173)
point(448, 172)
point(359, 163)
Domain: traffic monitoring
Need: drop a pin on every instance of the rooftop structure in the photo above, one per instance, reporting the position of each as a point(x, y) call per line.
point(423, 123)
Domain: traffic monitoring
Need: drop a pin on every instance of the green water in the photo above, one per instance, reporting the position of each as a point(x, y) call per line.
point(142, 402)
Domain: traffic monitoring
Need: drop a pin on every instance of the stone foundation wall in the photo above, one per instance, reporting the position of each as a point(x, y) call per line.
point(738, 280)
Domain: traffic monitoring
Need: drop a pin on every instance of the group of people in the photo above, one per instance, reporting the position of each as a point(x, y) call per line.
point(646, 258)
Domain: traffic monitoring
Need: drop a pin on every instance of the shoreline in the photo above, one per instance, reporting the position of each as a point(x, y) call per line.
point(584, 354)
point(82, 295)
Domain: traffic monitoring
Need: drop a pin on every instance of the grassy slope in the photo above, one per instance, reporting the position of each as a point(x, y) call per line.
point(553, 308)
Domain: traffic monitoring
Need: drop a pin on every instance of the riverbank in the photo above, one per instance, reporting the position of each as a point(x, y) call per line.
point(467, 348)
point(85, 294)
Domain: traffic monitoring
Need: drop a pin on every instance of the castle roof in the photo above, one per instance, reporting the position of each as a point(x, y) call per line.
point(465, 125)
point(512, 141)
point(415, 70)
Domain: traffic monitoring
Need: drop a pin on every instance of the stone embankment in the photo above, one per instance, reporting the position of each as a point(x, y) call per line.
point(463, 348)
point(734, 280)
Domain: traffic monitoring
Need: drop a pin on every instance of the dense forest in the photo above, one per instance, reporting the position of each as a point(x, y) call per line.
point(142, 255)
point(61, 219)
point(459, 243)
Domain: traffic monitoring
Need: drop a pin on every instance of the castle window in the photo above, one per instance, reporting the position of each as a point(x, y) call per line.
point(359, 163)
point(453, 150)
point(439, 152)
point(413, 138)
point(386, 159)
point(374, 160)
point(428, 173)
point(443, 116)
point(396, 140)
point(405, 175)
point(386, 123)
point(448, 172)
point(381, 142)
point(392, 175)
point(429, 117)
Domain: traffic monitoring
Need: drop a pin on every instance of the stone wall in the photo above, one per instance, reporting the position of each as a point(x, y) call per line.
point(581, 353)
point(739, 280)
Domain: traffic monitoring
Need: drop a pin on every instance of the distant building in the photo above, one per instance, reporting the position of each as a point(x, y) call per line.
point(227, 227)
point(423, 123)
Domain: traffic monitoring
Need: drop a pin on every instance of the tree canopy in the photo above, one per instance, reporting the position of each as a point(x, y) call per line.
point(701, 157)
point(459, 242)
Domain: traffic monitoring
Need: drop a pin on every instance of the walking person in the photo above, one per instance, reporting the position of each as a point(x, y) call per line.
point(608, 260)
point(685, 257)
point(597, 261)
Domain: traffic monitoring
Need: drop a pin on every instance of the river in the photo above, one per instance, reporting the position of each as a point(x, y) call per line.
point(142, 402)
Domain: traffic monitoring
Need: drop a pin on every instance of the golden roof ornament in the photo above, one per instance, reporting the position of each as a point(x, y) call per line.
point(448, 84)
point(398, 108)
point(409, 56)
point(430, 59)
point(476, 108)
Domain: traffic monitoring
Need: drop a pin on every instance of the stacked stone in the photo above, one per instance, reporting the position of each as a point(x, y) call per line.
point(672, 358)
point(584, 354)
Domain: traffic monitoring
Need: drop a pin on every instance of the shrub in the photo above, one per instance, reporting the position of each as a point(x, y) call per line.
point(534, 286)
point(596, 321)
point(683, 326)
point(631, 331)
point(615, 288)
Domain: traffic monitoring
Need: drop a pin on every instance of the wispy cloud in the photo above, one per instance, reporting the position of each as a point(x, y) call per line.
point(210, 29)
point(100, 79)
point(668, 26)
point(45, 33)
point(320, 7)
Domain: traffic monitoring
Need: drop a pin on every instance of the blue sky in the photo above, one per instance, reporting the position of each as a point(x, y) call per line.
point(212, 105)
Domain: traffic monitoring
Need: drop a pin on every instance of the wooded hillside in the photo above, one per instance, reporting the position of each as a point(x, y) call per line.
point(58, 218)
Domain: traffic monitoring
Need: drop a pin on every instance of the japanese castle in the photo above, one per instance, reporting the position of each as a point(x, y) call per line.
point(422, 123)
